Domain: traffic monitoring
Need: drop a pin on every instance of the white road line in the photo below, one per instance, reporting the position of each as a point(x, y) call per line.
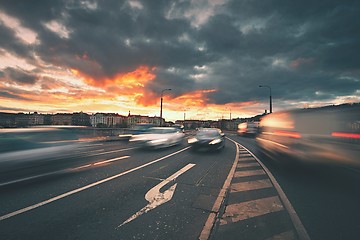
point(114, 151)
point(23, 210)
point(111, 160)
point(303, 235)
point(205, 233)
point(243, 165)
point(97, 150)
point(251, 185)
point(248, 173)
point(81, 167)
point(241, 211)
point(246, 159)
point(67, 170)
point(155, 197)
point(272, 142)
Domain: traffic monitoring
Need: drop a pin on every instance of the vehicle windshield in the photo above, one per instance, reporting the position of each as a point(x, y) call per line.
point(208, 133)
point(162, 130)
point(142, 127)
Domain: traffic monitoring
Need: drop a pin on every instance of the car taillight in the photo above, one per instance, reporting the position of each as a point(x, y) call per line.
point(288, 134)
point(345, 135)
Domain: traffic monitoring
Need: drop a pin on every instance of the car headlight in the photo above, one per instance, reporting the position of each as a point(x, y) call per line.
point(192, 140)
point(216, 141)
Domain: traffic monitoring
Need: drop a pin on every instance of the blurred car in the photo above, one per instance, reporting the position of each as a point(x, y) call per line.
point(135, 130)
point(207, 139)
point(179, 127)
point(248, 129)
point(158, 137)
point(323, 135)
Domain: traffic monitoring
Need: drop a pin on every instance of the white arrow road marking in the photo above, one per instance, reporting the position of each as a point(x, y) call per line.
point(155, 197)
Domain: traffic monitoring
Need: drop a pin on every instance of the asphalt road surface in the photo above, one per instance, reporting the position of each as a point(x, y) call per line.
point(112, 190)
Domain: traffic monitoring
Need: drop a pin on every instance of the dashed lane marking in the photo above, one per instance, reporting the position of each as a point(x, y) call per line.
point(250, 164)
point(248, 173)
point(252, 185)
point(241, 211)
point(255, 201)
point(288, 235)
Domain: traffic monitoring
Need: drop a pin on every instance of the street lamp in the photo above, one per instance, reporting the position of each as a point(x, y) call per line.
point(161, 103)
point(270, 95)
point(229, 112)
point(185, 109)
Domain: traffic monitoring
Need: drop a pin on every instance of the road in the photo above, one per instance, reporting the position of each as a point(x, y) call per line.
point(326, 198)
point(112, 190)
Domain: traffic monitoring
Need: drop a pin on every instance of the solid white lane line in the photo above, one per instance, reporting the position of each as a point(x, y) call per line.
point(97, 150)
point(32, 178)
point(114, 151)
point(12, 214)
point(81, 167)
point(272, 142)
point(67, 170)
point(111, 160)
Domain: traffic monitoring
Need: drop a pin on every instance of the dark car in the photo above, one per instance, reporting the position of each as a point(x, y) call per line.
point(207, 139)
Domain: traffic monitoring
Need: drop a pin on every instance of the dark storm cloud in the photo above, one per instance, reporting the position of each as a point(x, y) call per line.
point(19, 76)
point(9, 42)
point(305, 50)
point(6, 94)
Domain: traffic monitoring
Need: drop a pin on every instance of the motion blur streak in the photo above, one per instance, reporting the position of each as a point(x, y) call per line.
point(23, 210)
point(345, 135)
point(288, 134)
point(328, 135)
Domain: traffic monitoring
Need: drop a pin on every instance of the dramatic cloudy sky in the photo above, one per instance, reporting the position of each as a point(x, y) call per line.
point(117, 56)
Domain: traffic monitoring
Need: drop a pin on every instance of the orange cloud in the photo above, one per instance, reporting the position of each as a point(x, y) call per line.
point(192, 99)
point(196, 98)
point(130, 80)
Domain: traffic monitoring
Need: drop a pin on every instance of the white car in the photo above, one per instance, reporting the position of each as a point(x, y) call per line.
point(159, 137)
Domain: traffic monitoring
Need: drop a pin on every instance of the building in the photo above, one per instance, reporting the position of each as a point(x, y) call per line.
point(80, 119)
point(193, 124)
point(108, 120)
point(139, 119)
point(7, 120)
point(61, 119)
point(36, 119)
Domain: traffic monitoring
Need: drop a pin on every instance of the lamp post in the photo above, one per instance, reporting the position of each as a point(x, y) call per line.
point(229, 112)
point(161, 103)
point(270, 95)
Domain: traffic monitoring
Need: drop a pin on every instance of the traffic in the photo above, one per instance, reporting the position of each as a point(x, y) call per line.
point(169, 183)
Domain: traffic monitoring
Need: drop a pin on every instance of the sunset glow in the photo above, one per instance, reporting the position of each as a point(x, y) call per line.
point(121, 62)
